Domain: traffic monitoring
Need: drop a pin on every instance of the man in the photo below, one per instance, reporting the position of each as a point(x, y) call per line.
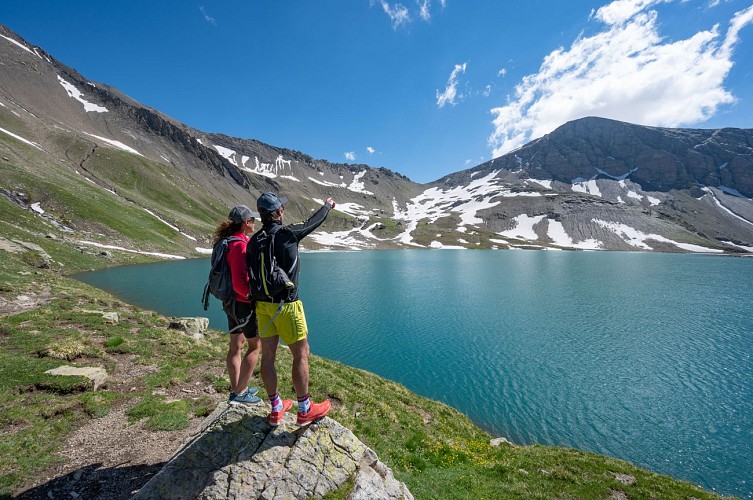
point(286, 321)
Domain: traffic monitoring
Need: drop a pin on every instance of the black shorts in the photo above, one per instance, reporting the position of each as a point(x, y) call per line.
point(238, 313)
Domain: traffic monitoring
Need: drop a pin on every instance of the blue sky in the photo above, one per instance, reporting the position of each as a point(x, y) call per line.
point(422, 87)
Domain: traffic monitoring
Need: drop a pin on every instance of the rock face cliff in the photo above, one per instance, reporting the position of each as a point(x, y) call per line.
point(237, 454)
point(658, 159)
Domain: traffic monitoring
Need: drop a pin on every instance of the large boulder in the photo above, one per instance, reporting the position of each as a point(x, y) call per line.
point(237, 454)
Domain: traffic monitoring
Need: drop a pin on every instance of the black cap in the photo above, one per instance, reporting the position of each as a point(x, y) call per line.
point(270, 202)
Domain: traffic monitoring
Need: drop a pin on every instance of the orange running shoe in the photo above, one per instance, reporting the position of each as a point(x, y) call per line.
point(275, 417)
point(316, 411)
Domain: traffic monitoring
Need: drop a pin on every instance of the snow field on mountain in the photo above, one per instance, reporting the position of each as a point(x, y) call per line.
point(76, 94)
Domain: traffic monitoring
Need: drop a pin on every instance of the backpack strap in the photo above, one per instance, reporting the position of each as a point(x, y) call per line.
point(274, 317)
point(205, 297)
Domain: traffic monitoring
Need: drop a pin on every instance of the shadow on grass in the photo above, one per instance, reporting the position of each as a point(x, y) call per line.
point(95, 482)
point(193, 467)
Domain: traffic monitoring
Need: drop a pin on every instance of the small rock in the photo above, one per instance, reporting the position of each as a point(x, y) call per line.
point(625, 479)
point(109, 316)
point(499, 441)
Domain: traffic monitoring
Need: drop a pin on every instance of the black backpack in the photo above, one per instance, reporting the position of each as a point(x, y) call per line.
point(219, 284)
point(266, 279)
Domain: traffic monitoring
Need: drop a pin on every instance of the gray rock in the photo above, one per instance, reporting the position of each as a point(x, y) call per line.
point(237, 454)
point(375, 480)
point(193, 327)
point(109, 316)
point(499, 441)
point(97, 375)
point(42, 260)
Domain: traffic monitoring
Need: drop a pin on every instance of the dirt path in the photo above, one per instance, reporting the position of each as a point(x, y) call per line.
point(108, 458)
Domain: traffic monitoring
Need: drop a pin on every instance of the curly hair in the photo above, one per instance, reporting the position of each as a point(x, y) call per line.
point(226, 228)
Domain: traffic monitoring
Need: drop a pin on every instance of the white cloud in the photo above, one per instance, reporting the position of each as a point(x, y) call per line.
point(398, 13)
point(502, 72)
point(487, 91)
point(626, 72)
point(423, 9)
point(350, 156)
point(370, 150)
point(450, 94)
point(207, 17)
point(620, 11)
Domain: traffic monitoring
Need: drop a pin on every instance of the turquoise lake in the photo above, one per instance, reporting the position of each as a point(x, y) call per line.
point(645, 357)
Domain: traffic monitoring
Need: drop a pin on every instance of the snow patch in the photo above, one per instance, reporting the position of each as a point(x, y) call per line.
point(168, 224)
point(636, 238)
point(634, 195)
point(113, 247)
point(226, 153)
point(743, 247)
point(559, 237)
point(24, 47)
point(77, 95)
point(546, 183)
point(115, 143)
point(620, 178)
point(581, 185)
point(438, 245)
point(18, 137)
point(523, 227)
point(357, 185)
point(719, 204)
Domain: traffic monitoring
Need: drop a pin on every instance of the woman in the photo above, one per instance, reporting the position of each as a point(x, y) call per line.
point(239, 226)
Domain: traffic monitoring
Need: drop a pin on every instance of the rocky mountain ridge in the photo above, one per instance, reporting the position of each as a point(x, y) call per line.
point(591, 184)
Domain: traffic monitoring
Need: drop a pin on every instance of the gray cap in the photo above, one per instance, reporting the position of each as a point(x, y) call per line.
point(241, 213)
point(270, 202)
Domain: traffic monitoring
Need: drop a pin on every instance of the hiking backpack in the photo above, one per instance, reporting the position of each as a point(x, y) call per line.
point(266, 280)
point(219, 284)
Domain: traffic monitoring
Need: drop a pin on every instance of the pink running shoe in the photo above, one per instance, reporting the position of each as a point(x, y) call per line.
point(316, 412)
point(275, 417)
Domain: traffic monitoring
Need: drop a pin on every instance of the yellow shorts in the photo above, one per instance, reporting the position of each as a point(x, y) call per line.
point(289, 325)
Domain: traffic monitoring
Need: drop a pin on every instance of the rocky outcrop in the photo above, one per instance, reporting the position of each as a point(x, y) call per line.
point(97, 375)
point(237, 454)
